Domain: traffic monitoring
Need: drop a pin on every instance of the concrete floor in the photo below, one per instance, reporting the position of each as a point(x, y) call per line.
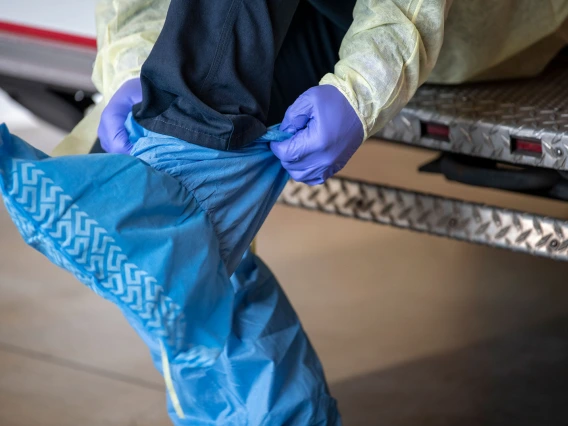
point(412, 330)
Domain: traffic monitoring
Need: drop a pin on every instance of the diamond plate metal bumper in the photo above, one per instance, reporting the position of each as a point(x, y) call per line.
point(436, 215)
point(482, 118)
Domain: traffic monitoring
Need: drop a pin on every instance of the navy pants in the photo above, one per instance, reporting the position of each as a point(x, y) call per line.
point(221, 71)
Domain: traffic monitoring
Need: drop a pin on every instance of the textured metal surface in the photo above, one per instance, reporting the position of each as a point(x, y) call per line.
point(460, 220)
point(483, 117)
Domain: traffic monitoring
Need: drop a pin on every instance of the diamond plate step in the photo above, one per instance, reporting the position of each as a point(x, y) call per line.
point(432, 214)
point(482, 118)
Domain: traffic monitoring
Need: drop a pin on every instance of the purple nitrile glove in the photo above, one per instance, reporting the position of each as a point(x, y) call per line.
point(112, 133)
point(327, 132)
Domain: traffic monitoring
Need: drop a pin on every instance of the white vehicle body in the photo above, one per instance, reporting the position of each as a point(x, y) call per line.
point(46, 57)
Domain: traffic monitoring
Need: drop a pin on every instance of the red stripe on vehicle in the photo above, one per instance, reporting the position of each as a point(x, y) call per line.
point(48, 35)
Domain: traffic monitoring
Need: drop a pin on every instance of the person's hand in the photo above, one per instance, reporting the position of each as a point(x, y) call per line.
point(112, 133)
point(327, 132)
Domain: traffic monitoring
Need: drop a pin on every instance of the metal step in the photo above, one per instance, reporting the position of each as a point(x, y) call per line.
point(504, 121)
point(520, 122)
point(432, 214)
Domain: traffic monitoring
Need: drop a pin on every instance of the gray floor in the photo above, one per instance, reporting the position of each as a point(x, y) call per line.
point(412, 329)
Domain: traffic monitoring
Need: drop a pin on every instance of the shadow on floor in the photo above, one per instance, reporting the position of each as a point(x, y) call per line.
point(519, 379)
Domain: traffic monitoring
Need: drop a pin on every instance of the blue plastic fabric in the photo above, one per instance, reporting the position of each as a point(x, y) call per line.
point(268, 373)
point(159, 234)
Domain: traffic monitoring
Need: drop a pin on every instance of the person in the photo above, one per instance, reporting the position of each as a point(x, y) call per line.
point(221, 71)
point(333, 72)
